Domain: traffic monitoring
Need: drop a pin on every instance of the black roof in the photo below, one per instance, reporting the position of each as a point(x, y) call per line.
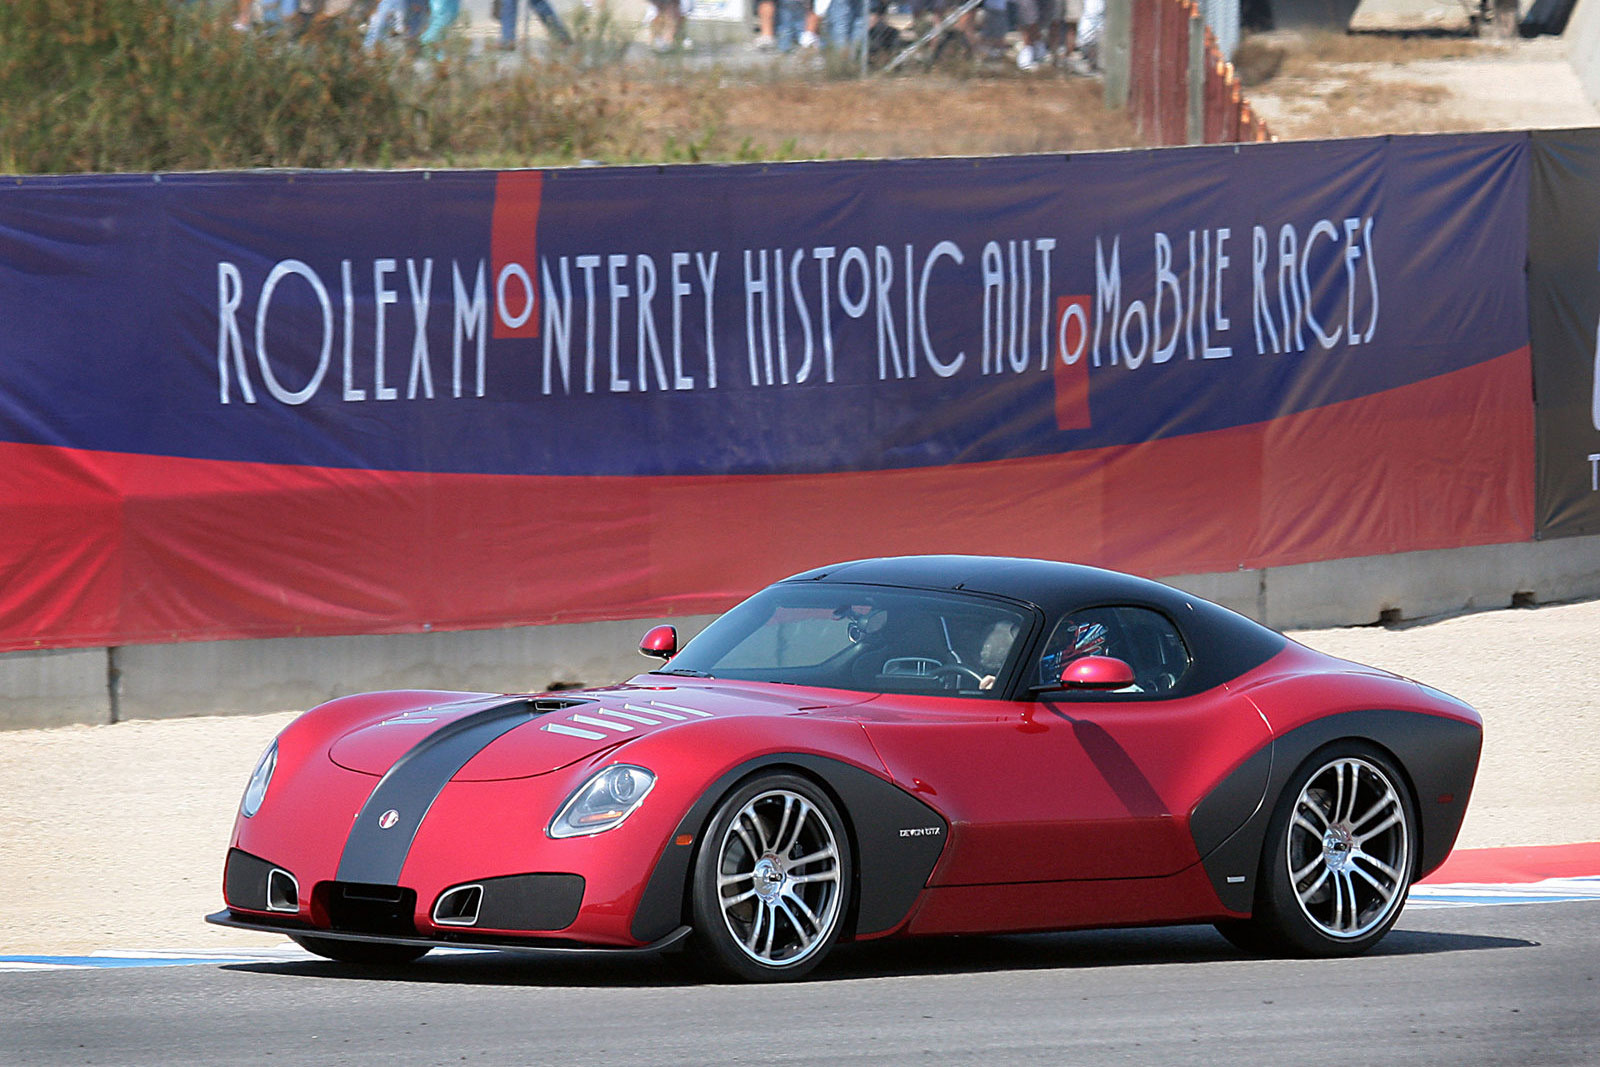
point(1047, 584)
point(1224, 643)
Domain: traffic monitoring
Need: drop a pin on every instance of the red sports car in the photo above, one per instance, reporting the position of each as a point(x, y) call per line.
point(884, 748)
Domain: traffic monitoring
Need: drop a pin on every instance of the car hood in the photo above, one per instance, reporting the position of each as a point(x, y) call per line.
point(563, 728)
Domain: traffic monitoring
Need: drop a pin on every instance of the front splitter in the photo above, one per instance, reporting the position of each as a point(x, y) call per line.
point(534, 948)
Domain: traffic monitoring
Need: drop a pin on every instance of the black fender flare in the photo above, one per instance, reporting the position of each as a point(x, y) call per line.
point(897, 840)
point(1437, 754)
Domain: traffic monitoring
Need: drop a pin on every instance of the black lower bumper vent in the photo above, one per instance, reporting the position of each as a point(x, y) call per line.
point(357, 907)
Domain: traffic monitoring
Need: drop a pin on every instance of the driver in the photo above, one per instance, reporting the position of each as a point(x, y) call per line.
point(996, 647)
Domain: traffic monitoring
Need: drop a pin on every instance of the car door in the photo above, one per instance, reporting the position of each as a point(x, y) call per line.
point(1071, 785)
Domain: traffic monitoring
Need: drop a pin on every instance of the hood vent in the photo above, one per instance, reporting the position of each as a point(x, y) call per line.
point(541, 705)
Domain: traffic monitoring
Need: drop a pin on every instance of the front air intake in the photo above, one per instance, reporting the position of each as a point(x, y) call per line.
point(254, 884)
point(356, 907)
point(458, 906)
point(283, 892)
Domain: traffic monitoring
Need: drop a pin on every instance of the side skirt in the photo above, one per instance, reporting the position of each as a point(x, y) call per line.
point(1035, 907)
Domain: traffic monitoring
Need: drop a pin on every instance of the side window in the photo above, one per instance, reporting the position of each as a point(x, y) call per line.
point(1146, 640)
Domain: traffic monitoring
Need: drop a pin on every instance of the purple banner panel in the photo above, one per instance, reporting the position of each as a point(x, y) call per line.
point(281, 403)
point(712, 320)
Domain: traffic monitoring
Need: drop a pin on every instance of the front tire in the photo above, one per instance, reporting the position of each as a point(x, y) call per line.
point(772, 881)
point(359, 951)
point(1339, 859)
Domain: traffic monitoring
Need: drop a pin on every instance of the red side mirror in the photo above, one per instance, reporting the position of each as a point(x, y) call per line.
point(1097, 672)
point(662, 642)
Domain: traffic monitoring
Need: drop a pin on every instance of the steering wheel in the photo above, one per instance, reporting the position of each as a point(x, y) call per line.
point(959, 669)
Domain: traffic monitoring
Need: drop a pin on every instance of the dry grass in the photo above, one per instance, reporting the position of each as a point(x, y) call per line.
point(154, 85)
point(1327, 46)
point(1262, 57)
point(1360, 104)
point(933, 116)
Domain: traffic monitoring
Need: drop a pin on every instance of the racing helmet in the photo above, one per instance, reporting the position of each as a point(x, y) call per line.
point(1073, 642)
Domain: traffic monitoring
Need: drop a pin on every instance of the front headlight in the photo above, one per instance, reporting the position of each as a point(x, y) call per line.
point(602, 802)
point(256, 791)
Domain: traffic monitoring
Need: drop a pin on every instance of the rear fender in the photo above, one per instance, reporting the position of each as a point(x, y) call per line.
point(1438, 754)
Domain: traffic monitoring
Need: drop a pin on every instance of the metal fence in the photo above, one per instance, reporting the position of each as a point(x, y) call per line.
point(1164, 63)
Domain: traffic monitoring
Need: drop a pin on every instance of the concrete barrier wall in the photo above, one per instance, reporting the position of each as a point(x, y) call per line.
point(1582, 38)
point(54, 688)
point(1407, 585)
point(59, 688)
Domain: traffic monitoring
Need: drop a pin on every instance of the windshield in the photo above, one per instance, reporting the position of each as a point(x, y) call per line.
point(861, 637)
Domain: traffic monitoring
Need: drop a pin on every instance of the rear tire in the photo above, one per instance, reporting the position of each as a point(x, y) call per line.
point(1339, 858)
point(771, 882)
point(359, 951)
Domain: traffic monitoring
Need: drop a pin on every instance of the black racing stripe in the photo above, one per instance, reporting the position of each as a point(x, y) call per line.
point(375, 855)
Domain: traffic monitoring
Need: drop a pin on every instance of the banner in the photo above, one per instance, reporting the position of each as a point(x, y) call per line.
point(1564, 316)
point(283, 403)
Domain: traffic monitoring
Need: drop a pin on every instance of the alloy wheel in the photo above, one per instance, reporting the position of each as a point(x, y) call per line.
point(779, 878)
point(1349, 848)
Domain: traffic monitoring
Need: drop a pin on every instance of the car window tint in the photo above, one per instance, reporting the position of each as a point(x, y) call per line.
point(1144, 639)
point(792, 637)
point(868, 638)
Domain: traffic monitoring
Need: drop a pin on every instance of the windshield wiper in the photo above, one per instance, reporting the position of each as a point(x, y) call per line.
point(687, 672)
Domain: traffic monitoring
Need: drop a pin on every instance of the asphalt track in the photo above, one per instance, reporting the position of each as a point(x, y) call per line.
point(1473, 985)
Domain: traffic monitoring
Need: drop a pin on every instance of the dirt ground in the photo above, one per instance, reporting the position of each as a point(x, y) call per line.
point(1306, 85)
point(114, 836)
point(932, 115)
point(1331, 85)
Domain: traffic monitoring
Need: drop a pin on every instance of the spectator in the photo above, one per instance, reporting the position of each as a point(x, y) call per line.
point(766, 12)
point(1090, 27)
point(389, 17)
point(847, 23)
point(996, 24)
point(1034, 16)
point(547, 15)
point(382, 20)
point(791, 21)
point(274, 12)
point(1064, 37)
point(810, 37)
point(441, 13)
point(665, 24)
point(779, 24)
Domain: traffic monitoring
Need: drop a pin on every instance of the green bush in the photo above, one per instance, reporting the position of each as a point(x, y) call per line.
point(105, 85)
point(150, 85)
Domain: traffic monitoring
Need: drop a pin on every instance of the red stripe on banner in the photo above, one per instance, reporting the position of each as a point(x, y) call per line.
point(1442, 463)
point(60, 547)
point(108, 548)
point(1532, 863)
point(1072, 364)
point(514, 233)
